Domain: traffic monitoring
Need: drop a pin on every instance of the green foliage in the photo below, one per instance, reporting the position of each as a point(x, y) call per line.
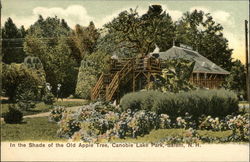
point(236, 81)
point(18, 79)
point(49, 98)
point(86, 80)
point(175, 76)
point(25, 99)
point(32, 129)
point(10, 30)
point(91, 67)
point(47, 40)
point(83, 41)
point(68, 126)
point(14, 115)
point(208, 102)
point(133, 34)
point(199, 30)
point(57, 113)
point(97, 122)
point(10, 33)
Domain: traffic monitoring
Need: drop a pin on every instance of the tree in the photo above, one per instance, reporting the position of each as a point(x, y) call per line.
point(139, 34)
point(91, 67)
point(83, 41)
point(18, 79)
point(236, 81)
point(175, 76)
point(11, 39)
point(48, 40)
point(10, 29)
point(200, 31)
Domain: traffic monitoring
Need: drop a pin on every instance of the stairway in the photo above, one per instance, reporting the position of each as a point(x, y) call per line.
point(99, 90)
point(107, 89)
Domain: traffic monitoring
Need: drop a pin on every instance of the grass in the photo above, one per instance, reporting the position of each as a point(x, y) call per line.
point(219, 134)
point(71, 103)
point(41, 107)
point(157, 135)
point(39, 129)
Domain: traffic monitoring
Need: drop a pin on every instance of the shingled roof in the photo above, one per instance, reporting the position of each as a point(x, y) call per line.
point(202, 64)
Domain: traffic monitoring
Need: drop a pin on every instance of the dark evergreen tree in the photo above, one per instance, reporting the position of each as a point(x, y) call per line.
point(12, 42)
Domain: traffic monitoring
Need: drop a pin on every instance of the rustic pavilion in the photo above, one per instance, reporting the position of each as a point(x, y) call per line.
point(133, 74)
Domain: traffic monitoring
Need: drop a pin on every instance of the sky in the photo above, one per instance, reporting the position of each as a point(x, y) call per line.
point(230, 14)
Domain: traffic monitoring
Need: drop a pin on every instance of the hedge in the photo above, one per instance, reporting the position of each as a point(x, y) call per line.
point(219, 102)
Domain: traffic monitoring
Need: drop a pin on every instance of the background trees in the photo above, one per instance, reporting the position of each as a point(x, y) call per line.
point(237, 79)
point(83, 41)
point(47, 39)
point(62, 49)
point(11, 35)
point(199, 30)
point(139, 34)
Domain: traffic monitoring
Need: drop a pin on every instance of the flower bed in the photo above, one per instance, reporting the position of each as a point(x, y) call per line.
point(101, 121)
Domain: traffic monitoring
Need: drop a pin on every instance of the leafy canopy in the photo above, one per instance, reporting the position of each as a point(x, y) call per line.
point(138, 34)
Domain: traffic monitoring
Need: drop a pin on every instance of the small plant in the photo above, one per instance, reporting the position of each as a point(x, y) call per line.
point(68, 125)
point(165, 121)
point(25, 99)
point(57, 113)
point(13, 116)
point(49, 98)
point(26, 105)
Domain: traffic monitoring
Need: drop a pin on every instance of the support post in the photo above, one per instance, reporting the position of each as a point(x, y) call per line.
point(247, 63)
point(133, 77)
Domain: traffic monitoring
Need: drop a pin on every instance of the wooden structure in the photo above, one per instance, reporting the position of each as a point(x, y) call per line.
point(207, 80)
point(126, 75)
point(206, 74)
point(130, 75)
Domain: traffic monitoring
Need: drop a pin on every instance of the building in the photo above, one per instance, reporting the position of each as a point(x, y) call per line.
point(133, 74)
point(206, 74)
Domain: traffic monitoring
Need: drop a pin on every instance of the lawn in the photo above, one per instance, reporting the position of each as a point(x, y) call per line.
point(39, 129)
point(41, 107)
point(158, 135)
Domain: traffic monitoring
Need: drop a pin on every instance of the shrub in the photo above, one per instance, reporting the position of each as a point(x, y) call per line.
point(68, 125)
point(49, 98)
point(13, 116)
point(56, 114)
point(209, 102)
point(26, 105)
point(25, 99)
point(165, 121)
point(86, 80)
point(17, 79)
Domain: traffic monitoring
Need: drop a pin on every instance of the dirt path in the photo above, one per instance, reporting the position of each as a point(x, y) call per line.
point(74, 108)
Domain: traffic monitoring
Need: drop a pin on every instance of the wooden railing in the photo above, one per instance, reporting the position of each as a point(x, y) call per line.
point(108, 84)
point(114, 84)
point(95, 92)
point(207, 83)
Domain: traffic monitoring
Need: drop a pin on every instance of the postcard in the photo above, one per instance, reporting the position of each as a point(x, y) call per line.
point(116, 80)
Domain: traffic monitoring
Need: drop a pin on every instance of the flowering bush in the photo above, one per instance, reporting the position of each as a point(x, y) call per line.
point(57, 113)
point(68, 125)
point(96, 122)
point(210, 123)
point(240, 124)
point(165, 121)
